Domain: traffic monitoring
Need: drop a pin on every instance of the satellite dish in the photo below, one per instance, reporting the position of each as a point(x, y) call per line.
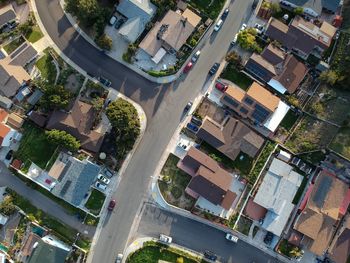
point(285, 17)
point(102, 156)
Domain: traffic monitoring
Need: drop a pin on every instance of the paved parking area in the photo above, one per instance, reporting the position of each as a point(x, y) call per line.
point(119, 45)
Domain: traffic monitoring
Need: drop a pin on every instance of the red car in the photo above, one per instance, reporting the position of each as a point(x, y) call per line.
point(111, 205)
point(220, 86)
point(188, 67)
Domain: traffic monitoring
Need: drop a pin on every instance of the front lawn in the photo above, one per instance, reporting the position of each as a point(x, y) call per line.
point(240, 79)
point(95, 201)
point(208, 7)
point(46, 67)
point(34, 35)
point(173, 184)
point(34, 146)
point(10, 47)
point(152, 252)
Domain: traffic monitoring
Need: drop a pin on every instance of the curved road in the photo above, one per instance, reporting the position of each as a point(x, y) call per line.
point(163, 105)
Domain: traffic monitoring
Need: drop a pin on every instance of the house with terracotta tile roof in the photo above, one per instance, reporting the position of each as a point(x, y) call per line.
point(281, 71)
point(256, 104)
point(322, 212)
point(212, 186)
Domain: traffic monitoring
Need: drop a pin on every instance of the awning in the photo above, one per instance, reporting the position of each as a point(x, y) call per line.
point(276, 118)
point(277, 86)
point(159, 55)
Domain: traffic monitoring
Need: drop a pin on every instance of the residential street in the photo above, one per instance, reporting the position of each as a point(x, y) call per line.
point(197, 236)
point(41, 201)
point(163, 106)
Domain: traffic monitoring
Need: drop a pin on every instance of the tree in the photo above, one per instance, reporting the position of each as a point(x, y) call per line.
point(104, 42)
point(55, 96)
point(180, 260)
point(126, 123)
point(63, 139)
point(275, 8)
point(247, 40)
point(234, 58)
point(88, 12)
point(7, 207)
point(296, 252)
point(97, 104)
point(329, 76)
point(298, 10)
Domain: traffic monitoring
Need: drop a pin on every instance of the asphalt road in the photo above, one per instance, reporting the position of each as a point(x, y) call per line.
point(197, 236)
point(163, 106)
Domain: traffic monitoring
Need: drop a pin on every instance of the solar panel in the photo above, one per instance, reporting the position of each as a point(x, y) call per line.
point(65, 187)
point(230, 101)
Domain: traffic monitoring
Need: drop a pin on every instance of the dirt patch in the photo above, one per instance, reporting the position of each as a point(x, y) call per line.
point(72, 83)
point(210, 109)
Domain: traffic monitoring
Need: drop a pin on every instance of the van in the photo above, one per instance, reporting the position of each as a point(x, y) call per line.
point(218, 25)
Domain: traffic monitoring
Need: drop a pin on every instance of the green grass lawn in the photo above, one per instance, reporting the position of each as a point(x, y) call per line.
point(34, 35)
point(341, 142)
point(240, 79)
point(47, 68)
point(314, 157)
point(10, 47)
point(210, 8)
point(153, 253)
point(300, 191)
point(95, 201)
point(289, 120)
point(34, 146)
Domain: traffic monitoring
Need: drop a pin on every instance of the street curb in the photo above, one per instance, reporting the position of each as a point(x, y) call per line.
point(160, 80)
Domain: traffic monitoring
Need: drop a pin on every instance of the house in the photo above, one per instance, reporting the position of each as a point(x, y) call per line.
point(231, 137)
point(281, 71)
point(256, 104)
point(8, 135)
point(73, 178)
point(12, 72)
point(313, 7)
point(276, 193)
point(79, 123)
point(48, 250)
point(211, 185)
point(7, 14)
point(324, 204)
point(301, 37)
point(339, 250)
point(15, 121)
point(170, 34)
point(138, 14)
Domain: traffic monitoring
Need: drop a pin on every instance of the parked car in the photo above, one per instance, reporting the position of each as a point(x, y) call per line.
point(225, 13)
point(196, 56)
point(111, 205)
point(105, 82)
point(100, 186)
point(119, 258)
point(243, 27)
point(119, 23)
point(188, 67)
point(192, 127)
point(108, 172)
point(221, 86)
point(210, 255)
point(234, 40)
point(103, 179)
point(255, 3)
point(165, 239)
point(268, 238)
point(214, 69)
point(9, 155)
point(231, 238)
point(259, 28)
point(196, 121)
point(188, 107)
point(112, 20)
point(218, 25)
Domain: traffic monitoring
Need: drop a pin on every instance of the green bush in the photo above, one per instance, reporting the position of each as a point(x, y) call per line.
point(63, 139)
point(176, 192)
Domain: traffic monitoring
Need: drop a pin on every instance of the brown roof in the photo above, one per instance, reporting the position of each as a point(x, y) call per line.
point(78, 122)
point(235, 92)
point(27, 248)
point(195, 158)
point(38, 119)
point(263, 96)
point(15, 121)
point(3, 115)
point(254, 211)
point(266, 65)
point(339, 251)
point(273, 54)
point(231, 137)
point(292, 74)
point(4, 130)
point(228, 200)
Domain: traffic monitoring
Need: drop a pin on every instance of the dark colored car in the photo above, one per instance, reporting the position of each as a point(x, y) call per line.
point(192, 127)
point(225, 13)
point(9, 155)
point(196, 121)
point(268, 238)
point(210, 255)
point(111, 205)
point(119, 23)
point(220, 86)
point(188, 107)
point(188, 67)
point(105, 82)
point(214, 69)
point(255, 3)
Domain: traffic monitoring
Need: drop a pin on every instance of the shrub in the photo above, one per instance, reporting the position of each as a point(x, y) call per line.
point(64, 139)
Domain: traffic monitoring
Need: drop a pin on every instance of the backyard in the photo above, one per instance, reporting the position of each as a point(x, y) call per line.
point(34, 146)
point(10, 47)
point(289, 120)
point(208, 7)
point(173, 184)
point(240, 79)
point(341, 142)
point(95, 201)
point(153, 252)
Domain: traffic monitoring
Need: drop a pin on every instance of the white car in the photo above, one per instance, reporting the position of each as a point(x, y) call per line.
point(234, 40)
point(100, 186)
point(196, 56)
point(103, 179)
point(259, 28)
point(243, 27)
point(218, 25)
point(165, 239)
point(231, 237)
point(119, 258)
point(112, 20)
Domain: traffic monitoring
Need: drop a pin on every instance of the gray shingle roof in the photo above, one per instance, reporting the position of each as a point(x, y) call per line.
point(45, 253)
point(7, 16)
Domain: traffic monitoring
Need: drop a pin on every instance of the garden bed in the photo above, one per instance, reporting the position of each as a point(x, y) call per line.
point(95, 201)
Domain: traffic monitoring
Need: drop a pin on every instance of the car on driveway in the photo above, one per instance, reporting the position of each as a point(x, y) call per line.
point(9, 155)
point(103, 179)
point(165, 239)
point(112, 20)
point(268, 238)
point(188, 67)
point(221, 86)
point(196, 56)
point(210, 255)
point(119, 23)
point(192, 127)
point(225, 13)
point(107, 172)
point(231, 238)
point(111, 205)
point(218, 25)
point(100, 186)
point(259, 28)
point(119, 258)
point(105, 82)
point(214, 69)
point(196, 121)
